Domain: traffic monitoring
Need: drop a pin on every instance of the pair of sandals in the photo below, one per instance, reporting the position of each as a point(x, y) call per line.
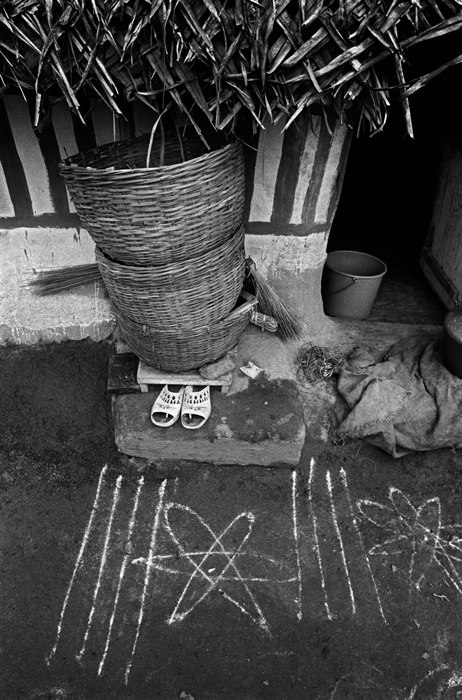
point(191, 404)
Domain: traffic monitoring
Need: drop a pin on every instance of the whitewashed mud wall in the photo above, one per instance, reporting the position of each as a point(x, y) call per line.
point(295, 189)
point(39, 229)
point(293, 186)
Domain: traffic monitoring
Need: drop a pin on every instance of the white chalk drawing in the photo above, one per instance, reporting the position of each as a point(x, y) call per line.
point(78, 562)
point(344, 479)
point(296, 540)
point(226, 563)
point(102, 565)
point(365, 679)
point(122, 571)
point(169, 546)
point(199, 566)
point(336, 554)
point(147, 577)
point(317, 548)
point(418, 534)
point(438, 684)
point(340, 540)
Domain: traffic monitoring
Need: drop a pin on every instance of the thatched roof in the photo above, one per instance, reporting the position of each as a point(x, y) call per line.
point(218, 58)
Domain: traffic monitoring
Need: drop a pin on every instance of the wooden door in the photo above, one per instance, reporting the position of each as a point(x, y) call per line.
point(441, 255)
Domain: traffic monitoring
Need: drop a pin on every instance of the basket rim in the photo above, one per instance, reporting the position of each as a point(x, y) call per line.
point(240, 314)
point(177, 267)
point(65, 166)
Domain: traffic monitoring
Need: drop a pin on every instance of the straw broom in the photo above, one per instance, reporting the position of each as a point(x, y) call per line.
point(63, 279)
point(67, 278)
point(289, 325)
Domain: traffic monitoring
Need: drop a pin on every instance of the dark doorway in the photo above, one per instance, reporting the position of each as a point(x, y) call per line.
point(387, 197)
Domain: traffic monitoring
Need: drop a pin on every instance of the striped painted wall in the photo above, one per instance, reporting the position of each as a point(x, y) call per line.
point(297, 177)
point(294, 191)
point(32, 192)
point(293, 181)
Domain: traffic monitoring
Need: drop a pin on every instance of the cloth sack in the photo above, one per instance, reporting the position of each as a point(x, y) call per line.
point(408, 401)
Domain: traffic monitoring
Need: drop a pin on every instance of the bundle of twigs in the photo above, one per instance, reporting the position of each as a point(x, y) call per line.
point(270, 305)
point(269, 58)
point(49, 282)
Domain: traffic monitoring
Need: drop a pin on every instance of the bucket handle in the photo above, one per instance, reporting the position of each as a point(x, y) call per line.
point(354, 280)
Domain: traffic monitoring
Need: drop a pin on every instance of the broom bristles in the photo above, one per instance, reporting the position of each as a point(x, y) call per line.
point(63, 279)
point(66, 278)
point(289, 325)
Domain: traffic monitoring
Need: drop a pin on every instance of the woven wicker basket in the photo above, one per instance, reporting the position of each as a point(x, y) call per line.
point(157, 215)
point(182, 350)
point(183, 295)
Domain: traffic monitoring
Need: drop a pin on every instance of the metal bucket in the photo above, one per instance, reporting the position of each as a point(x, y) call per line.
point(350, 283)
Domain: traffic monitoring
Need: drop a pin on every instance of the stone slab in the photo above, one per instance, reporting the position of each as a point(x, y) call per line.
point(262, 425)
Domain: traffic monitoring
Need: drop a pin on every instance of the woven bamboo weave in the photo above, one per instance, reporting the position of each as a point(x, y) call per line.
point(155, 215)
point(182, 350)
point(183, 294)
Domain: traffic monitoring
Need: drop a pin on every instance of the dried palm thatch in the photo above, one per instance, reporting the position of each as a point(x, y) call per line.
point(219, 58)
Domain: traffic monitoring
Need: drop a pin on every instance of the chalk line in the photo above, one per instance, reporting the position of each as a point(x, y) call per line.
point(201, 552)
point(344, 479)
point(457, 585)
point(378, 549)
point(78, 560)
point(339, 537)
point(454, 543)
point(337, 683)
point(147, 577)
point(316, 539)
point(429, 674)
point(430, 513)
point(297, 550)
point(122, 572)
point(197, 568)
point(115, 500)
point(186, 555)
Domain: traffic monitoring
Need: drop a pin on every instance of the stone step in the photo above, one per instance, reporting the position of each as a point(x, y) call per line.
point(262, 425)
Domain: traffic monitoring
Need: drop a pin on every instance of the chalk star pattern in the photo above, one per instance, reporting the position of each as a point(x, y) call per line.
point(224, 560)
point(182, 544)
point(418, 534)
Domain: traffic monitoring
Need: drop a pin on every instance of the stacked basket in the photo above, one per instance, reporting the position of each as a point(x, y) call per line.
point(169, 243)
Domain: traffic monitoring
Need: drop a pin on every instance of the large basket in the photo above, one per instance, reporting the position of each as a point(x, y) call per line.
point(182, 350)
point(182, 294)
point(155, 215)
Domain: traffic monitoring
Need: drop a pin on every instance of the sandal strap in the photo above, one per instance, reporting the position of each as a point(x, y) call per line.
point(195, 410)
point(197, 402)
point(170, 397)
point(163, 407)
point(168, 401)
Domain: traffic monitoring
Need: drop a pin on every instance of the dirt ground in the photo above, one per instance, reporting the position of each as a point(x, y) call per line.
point(342, 577)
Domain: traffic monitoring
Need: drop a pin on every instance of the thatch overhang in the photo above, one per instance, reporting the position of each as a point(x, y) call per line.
point(219, 59)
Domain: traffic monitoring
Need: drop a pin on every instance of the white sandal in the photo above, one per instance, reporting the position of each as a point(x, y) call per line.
point(168, 405)
point(196, 407)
